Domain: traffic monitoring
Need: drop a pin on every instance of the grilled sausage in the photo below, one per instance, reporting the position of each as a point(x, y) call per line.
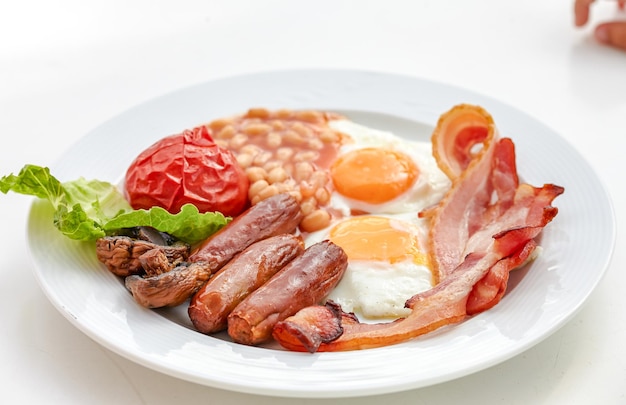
point(304, 281)
point(245, 273)
point(273, 216)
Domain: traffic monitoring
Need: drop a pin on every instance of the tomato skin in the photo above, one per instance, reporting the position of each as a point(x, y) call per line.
point(187, 168)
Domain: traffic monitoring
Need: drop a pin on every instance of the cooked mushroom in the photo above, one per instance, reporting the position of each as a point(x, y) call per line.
point(125, 255)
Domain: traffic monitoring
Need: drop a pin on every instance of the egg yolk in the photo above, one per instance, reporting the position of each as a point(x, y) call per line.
point(373, 175)
point(377, 239)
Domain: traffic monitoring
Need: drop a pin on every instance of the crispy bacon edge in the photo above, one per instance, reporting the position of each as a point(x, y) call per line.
point(499, 220)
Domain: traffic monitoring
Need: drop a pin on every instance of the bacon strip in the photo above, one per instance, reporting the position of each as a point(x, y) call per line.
point(483, 228)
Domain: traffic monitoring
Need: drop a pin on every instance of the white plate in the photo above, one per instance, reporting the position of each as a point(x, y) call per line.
point(541, 297)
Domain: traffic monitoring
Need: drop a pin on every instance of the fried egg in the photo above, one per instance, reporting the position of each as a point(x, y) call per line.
point(381, 182)
point(387, 263)
point(379, 172)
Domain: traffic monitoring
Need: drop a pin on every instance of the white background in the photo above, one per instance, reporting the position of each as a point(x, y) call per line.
point(67, 66)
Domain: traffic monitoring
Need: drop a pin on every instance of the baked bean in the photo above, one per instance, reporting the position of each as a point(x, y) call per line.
point(307, 189)
point(302, 130)
point(244, 160)
point(290, 183)
point(285, 187)
point(315, 117)
point(283, 114)
point(274, 140)
point(306, 156)
point(219, 124)
point(293, 138)
point(262, 113)
point(257, 129)
point(315, 220)
point(272, 164)
point(278, 125)
point(304, 170)
point(257, 187)
point(315, 144)
point(268, 191)
point(307, 205)
point(237, 141)
point(226, 132)
point(255, 173)
point(276, 175)
point(262, 158)
point(284, 151)
point(250, 149)
point(322, 196)
point(329, 136)
point(296, 194)
point(319, 178)
point(281, 187)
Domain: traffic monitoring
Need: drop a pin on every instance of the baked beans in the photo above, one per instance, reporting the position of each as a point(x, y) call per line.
point(284, 151)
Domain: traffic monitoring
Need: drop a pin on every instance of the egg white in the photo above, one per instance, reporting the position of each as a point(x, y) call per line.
point(376, 290)
point(430, 187)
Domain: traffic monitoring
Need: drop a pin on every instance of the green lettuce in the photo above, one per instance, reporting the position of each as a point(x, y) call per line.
point(188, 225)
point(90, 209)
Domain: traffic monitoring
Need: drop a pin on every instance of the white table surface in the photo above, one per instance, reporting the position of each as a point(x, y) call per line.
point(66, 66)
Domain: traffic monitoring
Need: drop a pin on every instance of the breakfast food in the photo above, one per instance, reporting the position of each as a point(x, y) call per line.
point(246, 272)
point(284, 151)
point(187, 168)
point(375, 219)
point(483, 228)
point(426, 233)
point(339, 170)
point(302, 282)
point(125, 255)
point(326, 235)
point(276, 215)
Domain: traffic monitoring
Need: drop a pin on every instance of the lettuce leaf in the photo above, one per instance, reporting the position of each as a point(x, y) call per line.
point(188, 225)
point(90, 209)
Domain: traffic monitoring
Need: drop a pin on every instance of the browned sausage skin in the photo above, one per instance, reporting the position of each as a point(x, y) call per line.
point(304, 281)
point(245, 273)
point(275, 215)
